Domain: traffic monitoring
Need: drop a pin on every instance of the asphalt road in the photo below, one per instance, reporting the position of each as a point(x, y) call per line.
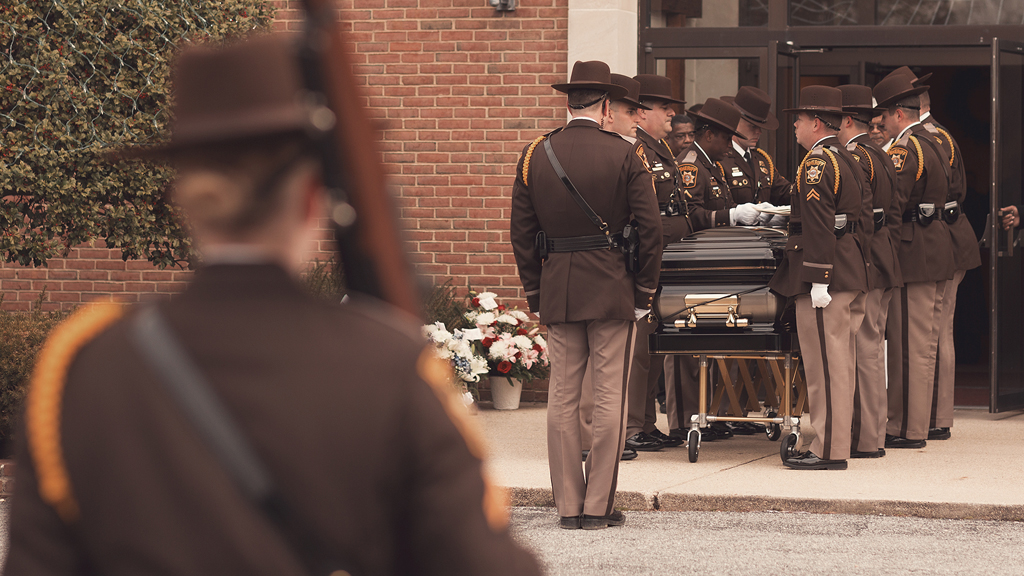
point(773, 543)
point(761, 543)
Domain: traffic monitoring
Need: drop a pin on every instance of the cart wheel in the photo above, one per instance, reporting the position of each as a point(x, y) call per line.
point(773, 431)
point(693, 444)
point(788, 447)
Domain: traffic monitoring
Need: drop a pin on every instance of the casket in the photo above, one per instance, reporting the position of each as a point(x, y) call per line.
point(713, 296)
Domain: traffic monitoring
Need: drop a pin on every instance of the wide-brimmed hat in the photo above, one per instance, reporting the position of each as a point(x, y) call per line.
point(824, 99)
point(591, 75)
point(857, 99)
point(720, 114)
point(251, 89)
point(906, 71)
point(755, 106)
point(632, 96)
point(655, 87)
point(895, 87)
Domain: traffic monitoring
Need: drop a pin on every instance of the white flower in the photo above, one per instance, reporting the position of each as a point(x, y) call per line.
point(523, 342)
point(471, 315)
point(499, 349)
point(485, 319)
point(507, 319)
point(518, 315)
point(486, 300)
point(478, 364)
point(467, 398)
point(538, 339)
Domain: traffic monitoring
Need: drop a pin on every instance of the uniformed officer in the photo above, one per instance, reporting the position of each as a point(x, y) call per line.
point(683, 133)
point(578, 283)
point(655, 125)
point(121, 478)
point(751, 171)
point(966, 255)
point(622, 119)
point(870, 403)
point(926, 262)
point(708, 201)
point(824, 270)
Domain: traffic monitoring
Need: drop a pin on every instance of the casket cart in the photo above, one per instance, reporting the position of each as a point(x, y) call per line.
point(713, 303)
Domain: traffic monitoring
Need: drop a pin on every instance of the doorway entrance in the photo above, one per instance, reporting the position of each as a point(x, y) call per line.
point(975, 92)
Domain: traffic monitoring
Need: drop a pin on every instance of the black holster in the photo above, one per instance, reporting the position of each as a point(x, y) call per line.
point(879, 218)
point(540, 242)
point(630, 246)
point(951, 212)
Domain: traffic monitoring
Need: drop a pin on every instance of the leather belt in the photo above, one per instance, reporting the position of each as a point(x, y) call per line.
point(668, 212)
point(923, 214)
point(796, 229)
point(583, 243)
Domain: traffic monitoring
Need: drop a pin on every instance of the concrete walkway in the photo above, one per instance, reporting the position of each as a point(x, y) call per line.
point(977, 474)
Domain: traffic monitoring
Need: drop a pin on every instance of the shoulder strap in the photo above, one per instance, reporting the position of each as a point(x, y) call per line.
point(184, 381)
point(580, 201)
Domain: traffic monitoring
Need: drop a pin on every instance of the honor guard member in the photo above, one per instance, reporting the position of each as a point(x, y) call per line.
point(869, 409)
point(683, 133)
point(751, 172)
point(709, 204)
point(576, 278)
point(966, 255)
point(641, 433)
point(118, 476)
point(825, 272)
point(926, 262)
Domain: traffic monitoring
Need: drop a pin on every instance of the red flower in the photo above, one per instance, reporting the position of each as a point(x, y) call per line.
point(504, 367)
point(501, 307)
point(476, 302)
point(522, 332)
point(487, 342)
point(538, 348)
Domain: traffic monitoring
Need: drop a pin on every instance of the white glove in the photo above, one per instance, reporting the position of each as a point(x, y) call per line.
point(778, 221)
point(763, 218)
point(744, 215)
point(819, 295)
point(640, 313)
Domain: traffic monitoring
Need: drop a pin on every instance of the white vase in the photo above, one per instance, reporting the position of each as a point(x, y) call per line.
point(505, 397)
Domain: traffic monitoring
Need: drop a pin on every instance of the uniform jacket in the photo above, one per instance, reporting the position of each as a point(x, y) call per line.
point(668, 183)
point(610, 173)
point(304, 381)
point(746, 184)
point(705, 188)
point(925, 251)
point(881, 175)
point(815, 255)
point(966, 253)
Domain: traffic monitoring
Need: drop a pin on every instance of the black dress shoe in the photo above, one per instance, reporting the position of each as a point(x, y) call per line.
point(721, 430)
point(627, 454)
point(808, 461)
point(938, 434)
point(616, 518)
point(746, 428)
point(661, 406)
point(666, 440)
point(859, 454)
point(644, 442)
point(570, 522)
point(899, 442)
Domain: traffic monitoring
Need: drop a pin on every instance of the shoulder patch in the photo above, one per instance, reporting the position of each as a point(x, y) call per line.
point(691, 157)
point(813, 170)
point(689, 174)
point(899, 157)
point(931, 128)
point(817, 151)
point(643, 157)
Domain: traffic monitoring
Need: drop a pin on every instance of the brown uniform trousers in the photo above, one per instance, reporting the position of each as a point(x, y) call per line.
point(302, 379)
point(815, 255)
point(926, 262)
point(966, 257)
point(586, 298)
point(870, 402)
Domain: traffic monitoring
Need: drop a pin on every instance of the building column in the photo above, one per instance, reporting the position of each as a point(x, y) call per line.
point(604, 30)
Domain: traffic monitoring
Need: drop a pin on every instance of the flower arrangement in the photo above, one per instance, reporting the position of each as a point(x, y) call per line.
point(510, 343)
point(457, 348)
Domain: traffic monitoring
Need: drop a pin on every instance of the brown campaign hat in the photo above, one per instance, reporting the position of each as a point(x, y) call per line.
point(655, 87)
point(755, 106)
point(906, 71)
point(894, 88)
point(820, 99)
point(591, 75)
point(233, 93)
point(720, 114)
point(632, 97)
point(857, 99)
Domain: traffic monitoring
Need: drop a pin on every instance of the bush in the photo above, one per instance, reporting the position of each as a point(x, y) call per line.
point(21, 337)
point(324, 280)
point(441, 304)
point(82, 77)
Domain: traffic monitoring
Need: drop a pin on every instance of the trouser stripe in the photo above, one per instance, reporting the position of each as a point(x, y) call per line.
point(935, 387)
point(905, 336)
point(626, 364)
point(819, 315)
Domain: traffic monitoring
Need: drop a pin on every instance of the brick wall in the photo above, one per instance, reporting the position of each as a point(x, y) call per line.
point(457, 89)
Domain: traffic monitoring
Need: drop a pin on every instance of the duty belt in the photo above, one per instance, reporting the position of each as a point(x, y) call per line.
point(576, 243)
point(924, 214)
point(796, 229)
point(670, 209)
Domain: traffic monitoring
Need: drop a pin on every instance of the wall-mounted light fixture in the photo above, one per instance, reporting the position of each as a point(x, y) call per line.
point(503, 5)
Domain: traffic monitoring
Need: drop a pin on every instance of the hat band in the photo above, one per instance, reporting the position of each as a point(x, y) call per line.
point(748, 115)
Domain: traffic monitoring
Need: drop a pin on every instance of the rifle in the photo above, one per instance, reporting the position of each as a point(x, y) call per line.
point(365, 225)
